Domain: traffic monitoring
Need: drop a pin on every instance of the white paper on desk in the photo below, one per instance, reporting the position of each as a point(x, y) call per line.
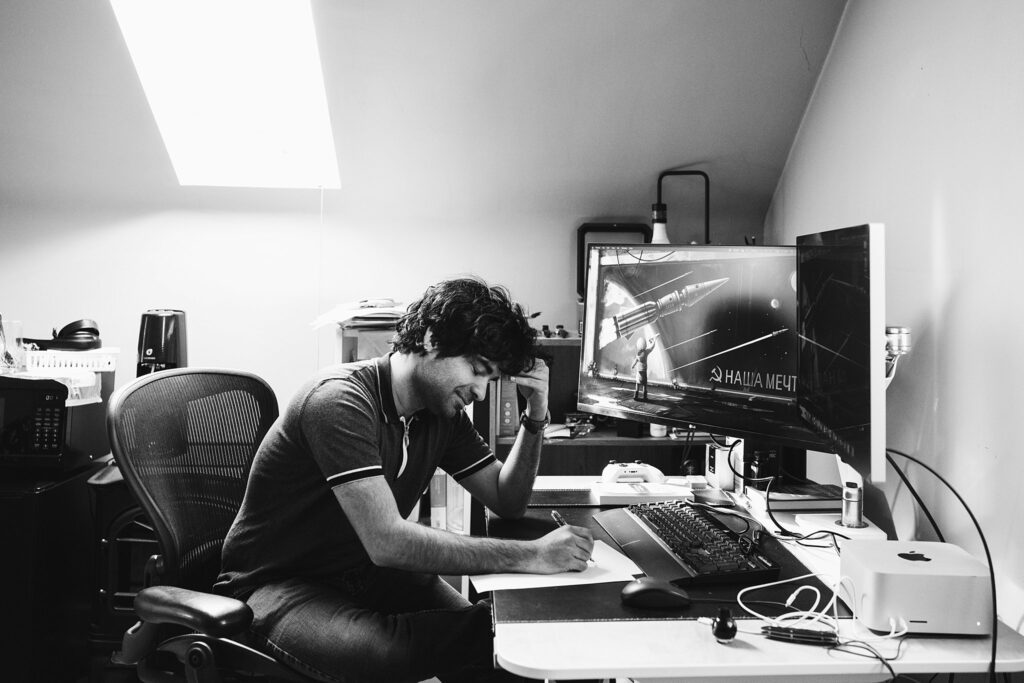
point(608, 565)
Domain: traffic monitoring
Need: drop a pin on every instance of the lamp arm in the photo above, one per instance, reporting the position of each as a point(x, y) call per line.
point(707, 197)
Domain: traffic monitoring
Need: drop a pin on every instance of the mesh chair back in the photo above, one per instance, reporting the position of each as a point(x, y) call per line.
point(185, 440)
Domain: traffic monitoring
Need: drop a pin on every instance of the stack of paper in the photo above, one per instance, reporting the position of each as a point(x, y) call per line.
point(815, 497)
point(364, 314)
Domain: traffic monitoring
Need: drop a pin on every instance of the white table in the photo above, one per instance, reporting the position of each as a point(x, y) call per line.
point(658, 651)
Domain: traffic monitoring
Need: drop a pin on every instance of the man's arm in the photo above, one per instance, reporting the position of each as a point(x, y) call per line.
point(393, 541)
point(505, 488)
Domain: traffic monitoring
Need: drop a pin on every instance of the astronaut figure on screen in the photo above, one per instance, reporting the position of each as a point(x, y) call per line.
point(643, 350)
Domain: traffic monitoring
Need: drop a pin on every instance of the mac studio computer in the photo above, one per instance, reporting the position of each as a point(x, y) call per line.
point(778, 345)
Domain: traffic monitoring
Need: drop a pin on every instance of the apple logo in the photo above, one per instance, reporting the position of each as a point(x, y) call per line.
point(914, 556)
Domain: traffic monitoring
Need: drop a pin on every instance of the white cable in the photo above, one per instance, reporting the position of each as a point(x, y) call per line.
point(774, 621)
point(893, 634)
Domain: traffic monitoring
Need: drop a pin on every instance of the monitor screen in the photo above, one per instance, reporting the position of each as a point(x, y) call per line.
point(841, 307)
point(695, 335)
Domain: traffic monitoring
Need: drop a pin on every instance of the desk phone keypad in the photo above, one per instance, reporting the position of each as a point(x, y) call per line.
point(47, 428)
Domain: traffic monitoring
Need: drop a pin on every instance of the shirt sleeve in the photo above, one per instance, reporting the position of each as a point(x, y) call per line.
point(341, 426)
point(467, 453)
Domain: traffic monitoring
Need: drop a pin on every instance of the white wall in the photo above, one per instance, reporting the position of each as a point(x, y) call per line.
point(471, 137)
point(247, 281)
point(916, 123)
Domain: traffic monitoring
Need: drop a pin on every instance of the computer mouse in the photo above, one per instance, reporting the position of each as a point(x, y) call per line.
point(654, 593)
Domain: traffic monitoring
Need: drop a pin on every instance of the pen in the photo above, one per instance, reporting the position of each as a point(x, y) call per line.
point(560, 521)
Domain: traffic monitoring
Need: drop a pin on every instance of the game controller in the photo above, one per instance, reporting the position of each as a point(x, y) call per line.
point(629, 472)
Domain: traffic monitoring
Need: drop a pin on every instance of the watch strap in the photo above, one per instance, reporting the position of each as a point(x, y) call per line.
point(534, 426)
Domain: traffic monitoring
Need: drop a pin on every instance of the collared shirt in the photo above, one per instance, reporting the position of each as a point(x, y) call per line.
point(342, 426)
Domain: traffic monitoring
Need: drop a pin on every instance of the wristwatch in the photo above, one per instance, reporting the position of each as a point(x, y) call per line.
point(534, 426)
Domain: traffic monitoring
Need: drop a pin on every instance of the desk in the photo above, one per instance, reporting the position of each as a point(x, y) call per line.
point(658, 650)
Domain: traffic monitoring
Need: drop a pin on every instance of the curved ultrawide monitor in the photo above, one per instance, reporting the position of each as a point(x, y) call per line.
point(715, 328)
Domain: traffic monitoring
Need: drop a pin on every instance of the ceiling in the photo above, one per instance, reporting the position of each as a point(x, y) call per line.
point(460, 106)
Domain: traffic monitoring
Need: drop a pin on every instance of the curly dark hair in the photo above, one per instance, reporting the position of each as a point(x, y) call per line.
point(468, 317)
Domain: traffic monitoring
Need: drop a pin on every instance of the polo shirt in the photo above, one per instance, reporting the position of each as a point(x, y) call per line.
point(340, 427)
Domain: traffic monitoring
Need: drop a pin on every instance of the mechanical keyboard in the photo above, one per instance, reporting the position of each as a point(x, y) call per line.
point(686, 545)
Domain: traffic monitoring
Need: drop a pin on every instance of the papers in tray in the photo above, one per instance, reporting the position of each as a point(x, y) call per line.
point(814, 499)
point(622, 493)
point(608, 565)
point(366, 313)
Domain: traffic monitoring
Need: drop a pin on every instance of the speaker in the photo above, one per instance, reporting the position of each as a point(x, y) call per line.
point(162, 341)
point(563, 356)
point(508, 409)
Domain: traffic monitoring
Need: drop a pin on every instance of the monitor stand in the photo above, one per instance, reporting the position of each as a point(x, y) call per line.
point(851, 522)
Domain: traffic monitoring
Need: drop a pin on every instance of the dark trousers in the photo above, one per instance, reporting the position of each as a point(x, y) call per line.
point(377, 625)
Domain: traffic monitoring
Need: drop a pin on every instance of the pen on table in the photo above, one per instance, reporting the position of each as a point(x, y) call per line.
point(560, 521)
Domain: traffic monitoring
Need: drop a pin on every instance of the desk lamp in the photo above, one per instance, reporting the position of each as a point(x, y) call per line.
point(659, 211)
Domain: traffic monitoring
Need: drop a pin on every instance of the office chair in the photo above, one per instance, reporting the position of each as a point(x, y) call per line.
point(184, 440)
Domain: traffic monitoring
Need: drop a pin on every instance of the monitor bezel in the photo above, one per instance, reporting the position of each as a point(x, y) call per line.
point(871, 467)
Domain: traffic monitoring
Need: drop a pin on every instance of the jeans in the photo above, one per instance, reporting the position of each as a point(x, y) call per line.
point(376, 624)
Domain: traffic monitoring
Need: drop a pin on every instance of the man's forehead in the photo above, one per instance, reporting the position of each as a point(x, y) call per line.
point(488, 365)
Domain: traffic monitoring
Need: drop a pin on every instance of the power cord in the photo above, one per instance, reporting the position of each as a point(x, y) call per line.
point(799, 538)
point(792, 535)
point(984, 543)
point(913, 492)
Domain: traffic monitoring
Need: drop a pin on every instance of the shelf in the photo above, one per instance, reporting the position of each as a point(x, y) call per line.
point(599, 438)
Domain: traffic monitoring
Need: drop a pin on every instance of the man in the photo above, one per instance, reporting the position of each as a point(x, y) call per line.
point(342, 585)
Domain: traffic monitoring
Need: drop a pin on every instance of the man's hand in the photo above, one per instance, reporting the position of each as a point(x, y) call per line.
point(534, 385)
point(567, 548)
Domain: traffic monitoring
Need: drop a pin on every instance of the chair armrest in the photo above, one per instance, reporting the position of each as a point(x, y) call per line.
point(214, 615)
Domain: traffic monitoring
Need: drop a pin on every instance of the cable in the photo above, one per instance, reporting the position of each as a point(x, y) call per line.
point(726, 511)
point(875, 654)
point(687, 447)
point(802, 614)
point(720, 446)
point(913, 492)
point(815, 535)
point(988, 555)
point(771, 515)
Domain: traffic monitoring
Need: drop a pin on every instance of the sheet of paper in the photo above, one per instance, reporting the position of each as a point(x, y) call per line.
point(608, 565)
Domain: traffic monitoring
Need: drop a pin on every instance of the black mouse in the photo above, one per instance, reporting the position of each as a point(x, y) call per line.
point(649, 592)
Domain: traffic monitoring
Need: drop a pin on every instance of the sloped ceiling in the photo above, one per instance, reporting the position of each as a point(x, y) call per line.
point(452, 105)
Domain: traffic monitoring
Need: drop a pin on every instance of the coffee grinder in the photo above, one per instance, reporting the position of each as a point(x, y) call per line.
point(162, 341)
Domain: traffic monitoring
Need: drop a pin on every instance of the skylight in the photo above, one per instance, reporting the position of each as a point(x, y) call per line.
point(236, 89)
